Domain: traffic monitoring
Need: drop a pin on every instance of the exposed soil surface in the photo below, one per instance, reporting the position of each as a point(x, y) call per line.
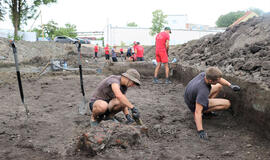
point(54, 124)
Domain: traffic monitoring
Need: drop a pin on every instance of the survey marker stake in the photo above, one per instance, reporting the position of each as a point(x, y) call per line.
point(12, 44)
point(82, 107)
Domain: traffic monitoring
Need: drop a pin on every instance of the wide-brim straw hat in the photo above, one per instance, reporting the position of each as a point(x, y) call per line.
point(133, 75)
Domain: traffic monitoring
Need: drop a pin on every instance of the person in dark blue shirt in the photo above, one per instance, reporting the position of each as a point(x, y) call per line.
point(200, 95)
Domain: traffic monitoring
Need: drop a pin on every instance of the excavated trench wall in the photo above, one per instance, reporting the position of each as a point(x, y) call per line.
point(251, 104)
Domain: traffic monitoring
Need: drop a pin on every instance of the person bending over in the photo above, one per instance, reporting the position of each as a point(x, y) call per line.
point(109, 97)
point(200, 95)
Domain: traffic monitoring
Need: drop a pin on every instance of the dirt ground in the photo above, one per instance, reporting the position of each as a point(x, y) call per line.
point(54, 124)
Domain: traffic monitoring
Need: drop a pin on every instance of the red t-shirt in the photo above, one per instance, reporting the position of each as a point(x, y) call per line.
point(121, 49)
point(134, 47)
point(140, 51)
point(96, 48)
point(107, 50)
point(161, 39)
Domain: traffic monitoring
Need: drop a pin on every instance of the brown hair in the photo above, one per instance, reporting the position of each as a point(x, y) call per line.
point(213, 73)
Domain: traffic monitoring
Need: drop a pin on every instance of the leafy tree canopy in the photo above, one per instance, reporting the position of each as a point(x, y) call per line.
point(229, 18)
point(22, 10)
point(158, 22)
point(51, 30)
point(132, 24)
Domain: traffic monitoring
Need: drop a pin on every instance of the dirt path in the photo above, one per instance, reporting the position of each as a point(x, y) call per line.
point(55, 124)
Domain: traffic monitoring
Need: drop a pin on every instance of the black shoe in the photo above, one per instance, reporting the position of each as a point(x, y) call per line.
point(209, 115)
point(156, 81)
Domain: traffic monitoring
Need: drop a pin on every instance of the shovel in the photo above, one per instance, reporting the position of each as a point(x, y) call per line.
point(82, 107)
point(12, 44)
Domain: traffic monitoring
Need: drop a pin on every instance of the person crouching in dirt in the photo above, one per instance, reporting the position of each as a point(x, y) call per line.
point(200, 95)
point(133, 58)
point(114, 56)
point(109, 97)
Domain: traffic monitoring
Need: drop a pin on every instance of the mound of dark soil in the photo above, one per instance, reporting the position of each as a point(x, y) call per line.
point(242, 51)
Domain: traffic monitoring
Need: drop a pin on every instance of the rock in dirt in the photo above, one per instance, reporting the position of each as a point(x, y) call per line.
point(109, 134)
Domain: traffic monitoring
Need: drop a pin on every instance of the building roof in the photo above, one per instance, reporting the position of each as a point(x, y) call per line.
point(244, 18)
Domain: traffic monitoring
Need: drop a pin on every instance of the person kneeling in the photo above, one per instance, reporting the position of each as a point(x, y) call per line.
point(109, 97)
point(200, 95)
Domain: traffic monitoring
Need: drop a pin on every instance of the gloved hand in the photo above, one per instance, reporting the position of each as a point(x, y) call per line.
point(235, 87)
point(203, 135)
point(129, 119)
point(135, 113)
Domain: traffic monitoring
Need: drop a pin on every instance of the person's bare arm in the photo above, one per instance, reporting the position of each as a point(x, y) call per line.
point(198, 116)
point(167, 46)
point(120, 96)
point(224, 82)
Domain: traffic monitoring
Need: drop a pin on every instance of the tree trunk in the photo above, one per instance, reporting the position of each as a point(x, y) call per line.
point(15, 13)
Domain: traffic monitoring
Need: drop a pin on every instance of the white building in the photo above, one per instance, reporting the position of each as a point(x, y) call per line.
point(177, 21)
point(127, 35)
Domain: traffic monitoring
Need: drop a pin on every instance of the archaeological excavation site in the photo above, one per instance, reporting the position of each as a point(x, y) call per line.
point(50, 90)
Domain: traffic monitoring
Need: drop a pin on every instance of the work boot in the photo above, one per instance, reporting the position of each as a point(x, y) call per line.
point(93, 123)
point(111, 118)
point(155, 81)
point(167, 81)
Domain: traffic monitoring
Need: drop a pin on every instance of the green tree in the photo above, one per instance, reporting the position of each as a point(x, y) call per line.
point(132, 24)
point(22, 10)
point(228, 19)
point(69, 30)
point(158, 22)
point(50, 29)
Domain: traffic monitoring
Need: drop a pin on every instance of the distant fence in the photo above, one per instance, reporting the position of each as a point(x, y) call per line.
point(27, 36)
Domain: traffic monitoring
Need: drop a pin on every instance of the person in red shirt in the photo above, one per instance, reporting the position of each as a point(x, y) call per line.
point(121, 53)
point(134, 46)
point(96, 50)
point(107, 53)
point(162, 48)
point(139, 52)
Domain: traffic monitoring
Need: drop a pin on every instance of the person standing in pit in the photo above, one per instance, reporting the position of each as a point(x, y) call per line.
point(134, 47)
point(114, 56)
point(139, 52)
point(96, 48)
point(121, 53)
point(107, 53)
point(129, 52)
point(162, 48)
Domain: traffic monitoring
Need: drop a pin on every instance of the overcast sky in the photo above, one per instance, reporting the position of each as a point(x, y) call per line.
point(93, 15)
